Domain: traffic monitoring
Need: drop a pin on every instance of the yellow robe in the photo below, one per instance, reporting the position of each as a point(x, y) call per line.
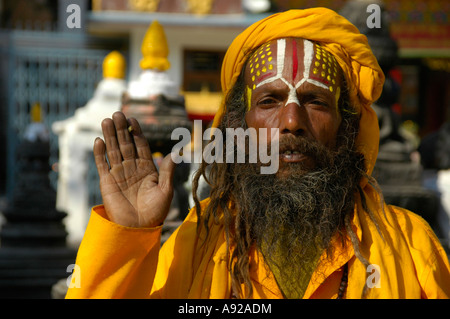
point(122, 262)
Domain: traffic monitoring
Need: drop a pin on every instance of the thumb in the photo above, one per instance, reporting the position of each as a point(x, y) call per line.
point(166, 172)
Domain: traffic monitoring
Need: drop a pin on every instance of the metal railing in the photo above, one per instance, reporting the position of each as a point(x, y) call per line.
point(58, 70)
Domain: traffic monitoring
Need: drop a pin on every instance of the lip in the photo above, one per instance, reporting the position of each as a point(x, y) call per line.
point(292, 157)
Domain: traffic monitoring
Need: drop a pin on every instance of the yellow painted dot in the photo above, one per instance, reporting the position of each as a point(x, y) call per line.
point(263, 62)
point(324, 66)
point(254, 86)
point(317, 63)
point(258, 73)
point(329, 78)
point(269, 59)
point(264, 69)
point(270, 66)
point(333, 81)
point(317, 57)
point(315, 71)
point(322, 74)
point(257, 65)
point(269, 53)
point(252, 70)
point(263, 56)
point(331, 89)
point(251, 65)
point(334, 74)
point(253, 78)
point(256, 60)
point(324, 59)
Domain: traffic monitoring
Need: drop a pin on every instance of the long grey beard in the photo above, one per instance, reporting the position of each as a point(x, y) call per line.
point(292, 219)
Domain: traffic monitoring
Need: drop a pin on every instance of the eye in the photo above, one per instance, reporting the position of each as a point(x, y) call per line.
point(268, 101)
point(320, 103)
point(315, 101)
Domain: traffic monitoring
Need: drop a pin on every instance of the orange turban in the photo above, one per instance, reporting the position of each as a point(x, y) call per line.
point(337, 35)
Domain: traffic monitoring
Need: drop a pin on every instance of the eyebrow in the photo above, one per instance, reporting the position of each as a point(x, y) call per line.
point(315, 91)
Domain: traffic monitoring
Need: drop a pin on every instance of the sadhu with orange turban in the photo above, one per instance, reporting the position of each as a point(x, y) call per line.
point(317, 228)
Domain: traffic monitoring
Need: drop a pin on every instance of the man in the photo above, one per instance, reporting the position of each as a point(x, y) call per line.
point(318, 228)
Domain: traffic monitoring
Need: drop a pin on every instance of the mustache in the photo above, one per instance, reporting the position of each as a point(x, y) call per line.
point(300, 144)
point(321, 154)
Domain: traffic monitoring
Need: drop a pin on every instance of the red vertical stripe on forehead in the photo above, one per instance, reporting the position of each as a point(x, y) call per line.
point(294, 60)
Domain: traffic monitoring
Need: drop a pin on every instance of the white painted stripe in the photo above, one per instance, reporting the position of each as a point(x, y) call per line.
point(317, 83)
point(308, 48)
point(292, 98)
point(281, 51)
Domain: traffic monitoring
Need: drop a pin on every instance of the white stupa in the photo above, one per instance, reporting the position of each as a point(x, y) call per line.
point(154, 98)
point(154, 79)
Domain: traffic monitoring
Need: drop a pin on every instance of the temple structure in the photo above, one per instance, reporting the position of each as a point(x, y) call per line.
point(33, 253)
point(154, 97)
point(154, 100)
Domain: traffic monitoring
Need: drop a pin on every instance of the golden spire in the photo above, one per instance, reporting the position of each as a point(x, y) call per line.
point(155, 49)
point(36, 115)
point(114, 66)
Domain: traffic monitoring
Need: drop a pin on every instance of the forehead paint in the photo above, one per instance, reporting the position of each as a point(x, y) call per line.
point(249, 98)
point(319, 67)
point(261, 65)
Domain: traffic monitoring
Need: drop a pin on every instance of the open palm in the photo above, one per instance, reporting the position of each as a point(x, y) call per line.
point(134, 193)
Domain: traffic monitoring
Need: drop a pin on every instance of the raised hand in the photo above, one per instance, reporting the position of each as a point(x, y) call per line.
point(134, 193)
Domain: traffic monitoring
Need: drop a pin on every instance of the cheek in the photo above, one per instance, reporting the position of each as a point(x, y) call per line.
point(260, 118)
point(257, 118)
point(325, 127)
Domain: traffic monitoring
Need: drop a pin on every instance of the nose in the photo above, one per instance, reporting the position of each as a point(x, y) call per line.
point(294, 119)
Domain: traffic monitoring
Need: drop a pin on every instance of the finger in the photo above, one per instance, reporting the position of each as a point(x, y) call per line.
point(141, 143)
point(126, 143)
point(112, 146)
point(99, 156)
point(166, 172)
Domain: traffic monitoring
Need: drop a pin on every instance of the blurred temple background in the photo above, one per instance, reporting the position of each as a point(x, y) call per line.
point(66, 67)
